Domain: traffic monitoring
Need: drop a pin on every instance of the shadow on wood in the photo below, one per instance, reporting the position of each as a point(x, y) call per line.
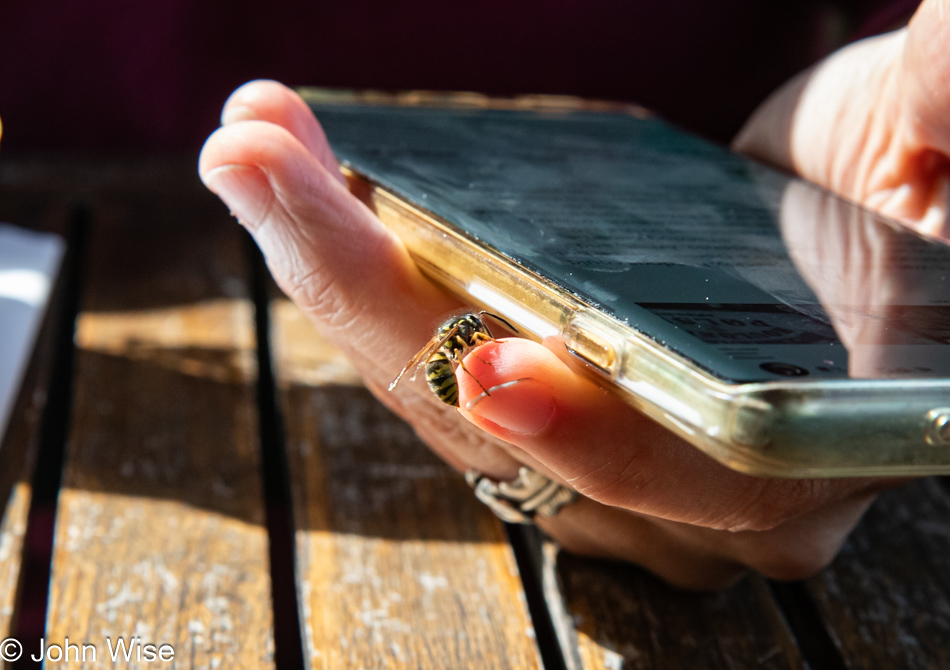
point(615, 615)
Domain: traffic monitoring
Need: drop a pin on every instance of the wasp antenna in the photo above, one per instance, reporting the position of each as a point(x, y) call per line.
point(498, 318)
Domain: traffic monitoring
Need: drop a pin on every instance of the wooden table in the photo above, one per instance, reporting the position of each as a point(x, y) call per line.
point(229, 488)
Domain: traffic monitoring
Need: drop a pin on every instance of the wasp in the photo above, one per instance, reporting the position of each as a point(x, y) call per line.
point(453, 340)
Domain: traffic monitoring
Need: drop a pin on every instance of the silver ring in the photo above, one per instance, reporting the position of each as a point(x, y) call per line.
point(522, 499)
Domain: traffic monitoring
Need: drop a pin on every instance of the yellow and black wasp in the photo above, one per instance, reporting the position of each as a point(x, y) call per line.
point(449, 346)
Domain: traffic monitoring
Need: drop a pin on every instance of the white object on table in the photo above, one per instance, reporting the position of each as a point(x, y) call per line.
point(29, 262)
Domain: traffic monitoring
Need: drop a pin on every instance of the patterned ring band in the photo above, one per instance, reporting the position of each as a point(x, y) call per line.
point(522, 499)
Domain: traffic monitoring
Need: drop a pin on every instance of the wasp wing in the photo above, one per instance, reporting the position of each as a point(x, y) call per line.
point(434, 345)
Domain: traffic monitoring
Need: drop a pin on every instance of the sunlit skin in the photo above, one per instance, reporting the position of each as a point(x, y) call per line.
point(872, 122)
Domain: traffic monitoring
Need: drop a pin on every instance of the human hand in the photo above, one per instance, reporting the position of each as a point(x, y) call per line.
point(871, 123)
point(651, 498)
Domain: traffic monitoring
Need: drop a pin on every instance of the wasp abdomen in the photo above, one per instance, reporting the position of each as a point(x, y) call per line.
point(444, 351)
point(440, 376)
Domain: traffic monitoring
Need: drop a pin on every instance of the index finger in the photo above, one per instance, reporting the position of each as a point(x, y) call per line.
point(326, 248)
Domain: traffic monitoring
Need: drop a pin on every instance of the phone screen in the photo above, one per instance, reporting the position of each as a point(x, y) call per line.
point(751, 274)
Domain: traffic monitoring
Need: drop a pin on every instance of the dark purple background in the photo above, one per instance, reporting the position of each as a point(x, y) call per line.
point(126, 76)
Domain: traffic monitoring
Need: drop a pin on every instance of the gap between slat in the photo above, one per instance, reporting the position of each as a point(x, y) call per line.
point(288, 643)
point(30, 623)
point(806, 624)
point(526, 546)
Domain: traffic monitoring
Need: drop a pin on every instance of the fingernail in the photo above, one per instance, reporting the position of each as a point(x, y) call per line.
point(521, 406)
point(244, 189)
point(234, 113)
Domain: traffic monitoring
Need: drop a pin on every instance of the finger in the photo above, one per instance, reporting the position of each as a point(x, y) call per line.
point(686, 556)
point(767, 133)
point(326, 249)
point(615, 455)
point(925, 79)
point(803, 546)
point(833, 123)
point(870, 123)
point(694, 557)
point(925, 94)
point(271, 101)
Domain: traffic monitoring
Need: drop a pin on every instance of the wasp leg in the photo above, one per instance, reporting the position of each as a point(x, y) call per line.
point(479, 339)
point(458, 359)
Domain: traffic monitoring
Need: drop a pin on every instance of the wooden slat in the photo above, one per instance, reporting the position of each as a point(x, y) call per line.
point(12, 532)
point(610, 616)
point(886, 599)
point(18, 447)
point(398, 565)
point(160, 522)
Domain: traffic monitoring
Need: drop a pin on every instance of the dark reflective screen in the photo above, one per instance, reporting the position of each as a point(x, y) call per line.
point(750, 274)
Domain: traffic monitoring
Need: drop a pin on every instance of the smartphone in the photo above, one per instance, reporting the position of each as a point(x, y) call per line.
point(780, 329)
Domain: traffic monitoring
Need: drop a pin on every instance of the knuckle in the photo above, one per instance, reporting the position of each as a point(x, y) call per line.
point(321, 295)
point(767, 504)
